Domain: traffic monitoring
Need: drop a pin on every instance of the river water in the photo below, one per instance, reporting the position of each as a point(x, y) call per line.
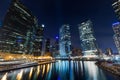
point(61, 70)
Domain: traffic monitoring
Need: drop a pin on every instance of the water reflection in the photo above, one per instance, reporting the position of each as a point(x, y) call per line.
point(19, 75)
point(61, 70)
point(31, 72)
point(91, 72)
point(4, 77)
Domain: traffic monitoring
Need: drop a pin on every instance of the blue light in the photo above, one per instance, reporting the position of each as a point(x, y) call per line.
point(19, 40)
point(57, 37)
point(58, 78)
point(116, 23)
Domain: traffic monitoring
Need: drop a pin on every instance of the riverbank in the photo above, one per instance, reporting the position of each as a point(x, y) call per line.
point(9, 67)
point(113, 68)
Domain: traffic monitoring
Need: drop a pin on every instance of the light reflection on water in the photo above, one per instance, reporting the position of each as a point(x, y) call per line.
point(61, 70)
point(19, 75)
point(30, 73)
point(4, 76)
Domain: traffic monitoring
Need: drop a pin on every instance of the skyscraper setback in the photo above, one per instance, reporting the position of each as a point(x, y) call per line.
point(88, 41)
point(65, 40)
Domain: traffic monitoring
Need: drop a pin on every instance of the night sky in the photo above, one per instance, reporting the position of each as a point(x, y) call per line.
point(54, 13)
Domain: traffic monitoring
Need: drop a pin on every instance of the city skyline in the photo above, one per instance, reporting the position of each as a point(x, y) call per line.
point(59, 40)
point(56, 13)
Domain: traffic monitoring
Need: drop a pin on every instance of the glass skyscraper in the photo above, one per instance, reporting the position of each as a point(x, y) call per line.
point(116, 26)
point(64, 40)
point(18, 29)
point(88, 41)
point(20, 32)
point(116, 37)
point(116, 7)
point(38, 42)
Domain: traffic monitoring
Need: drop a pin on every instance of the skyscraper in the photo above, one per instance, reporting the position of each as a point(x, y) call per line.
point(64, 40)
point(116, 7)
point(47, 45)
point(38, 42)
point(57, 45)
point(109, 51)
point(88, 41)
point(17, 30)
point(116, 37)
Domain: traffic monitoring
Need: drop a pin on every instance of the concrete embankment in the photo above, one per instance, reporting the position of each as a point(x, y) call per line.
point(109, 67)
point(25, 65)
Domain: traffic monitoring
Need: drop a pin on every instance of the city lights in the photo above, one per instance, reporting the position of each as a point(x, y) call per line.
point(59, 49)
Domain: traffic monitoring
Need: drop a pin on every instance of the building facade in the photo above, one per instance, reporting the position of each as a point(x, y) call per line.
point(64, 40)
point(116, 26)
point(116, 37)
point(18, 29)
point(116, 7)
point(88, 41)
point(55, 47)
point(38, 42)
point(109, 51)
point(47, 45)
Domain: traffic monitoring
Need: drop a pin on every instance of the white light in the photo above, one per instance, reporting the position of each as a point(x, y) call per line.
point(43, 25)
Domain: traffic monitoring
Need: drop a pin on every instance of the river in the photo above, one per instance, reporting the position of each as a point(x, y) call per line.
point(61, 70)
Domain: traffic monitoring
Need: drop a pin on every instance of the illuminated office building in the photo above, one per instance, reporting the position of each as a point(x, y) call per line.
point(116, 7)
point(88, 41)
point(18, 29)
point(64, 40)
point(116, 37)
point(38, 42)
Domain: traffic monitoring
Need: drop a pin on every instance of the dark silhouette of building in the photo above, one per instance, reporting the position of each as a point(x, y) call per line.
point(109, 51)
point(55, 48)
point(38, 43)
point(47, 45)
point(76, 52)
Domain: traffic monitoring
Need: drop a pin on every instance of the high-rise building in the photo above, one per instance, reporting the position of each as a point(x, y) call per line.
point(47, 45)
point(17, 30)
point(64, 40)
point(38, 42)
point(116, 7)
point(88, 41)
point(57, 45)
point(116, 37)
point(109, 51)
point(55, 48)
